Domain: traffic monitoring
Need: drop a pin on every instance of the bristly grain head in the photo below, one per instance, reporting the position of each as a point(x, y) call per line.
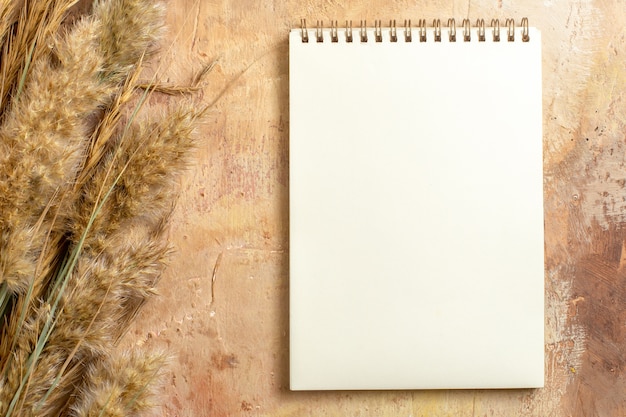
point(87, 184)
point(43, 142)
point(106, 285)
point(16, 270)
point(120, 386)
point(102, 296)
point(131, 29)
point(27, 26)
point(141, 172)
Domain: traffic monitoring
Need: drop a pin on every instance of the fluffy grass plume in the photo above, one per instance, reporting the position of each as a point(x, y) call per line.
point(88, 180)
point(43, 141)
point(119, 387)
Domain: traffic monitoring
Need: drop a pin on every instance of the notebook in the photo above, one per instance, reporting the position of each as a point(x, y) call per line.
point(416, 206)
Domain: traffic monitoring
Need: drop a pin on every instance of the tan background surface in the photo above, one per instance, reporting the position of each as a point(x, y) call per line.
point(223, 311)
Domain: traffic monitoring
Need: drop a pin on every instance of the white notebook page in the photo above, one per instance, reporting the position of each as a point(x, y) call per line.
point(416, 213)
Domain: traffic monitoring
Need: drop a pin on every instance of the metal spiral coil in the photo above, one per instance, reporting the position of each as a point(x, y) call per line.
point(509, 29)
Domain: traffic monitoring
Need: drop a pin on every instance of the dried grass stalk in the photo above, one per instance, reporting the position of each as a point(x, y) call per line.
point(42, 143)
point(87, 184)
point(137, 170)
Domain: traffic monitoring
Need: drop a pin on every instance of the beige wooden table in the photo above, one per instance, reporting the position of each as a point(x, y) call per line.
point(223, 311)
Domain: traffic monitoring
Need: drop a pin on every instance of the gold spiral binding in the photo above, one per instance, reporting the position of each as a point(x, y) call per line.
point(422, 27)
point(525, 36)
point(437, 26)
point(495, 25)
point(451, 30)
point(378, 31)
point(303, 32)
point(393, 35)
point(349, 31)
point(319, 33)
point(363, 31)
point(467, 31)
point(408, 37)
point(509, 24)
point(333, 31)
point(480, 23)
point(510, 30)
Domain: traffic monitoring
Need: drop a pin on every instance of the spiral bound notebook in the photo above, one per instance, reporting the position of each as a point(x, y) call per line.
point(416, 206)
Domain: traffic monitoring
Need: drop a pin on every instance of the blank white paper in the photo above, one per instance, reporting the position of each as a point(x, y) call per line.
point(416, 213)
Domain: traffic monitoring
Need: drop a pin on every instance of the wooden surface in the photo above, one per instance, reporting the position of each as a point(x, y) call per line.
point(223, 312)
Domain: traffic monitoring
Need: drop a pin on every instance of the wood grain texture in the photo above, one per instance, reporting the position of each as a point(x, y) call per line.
point(223, 309)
